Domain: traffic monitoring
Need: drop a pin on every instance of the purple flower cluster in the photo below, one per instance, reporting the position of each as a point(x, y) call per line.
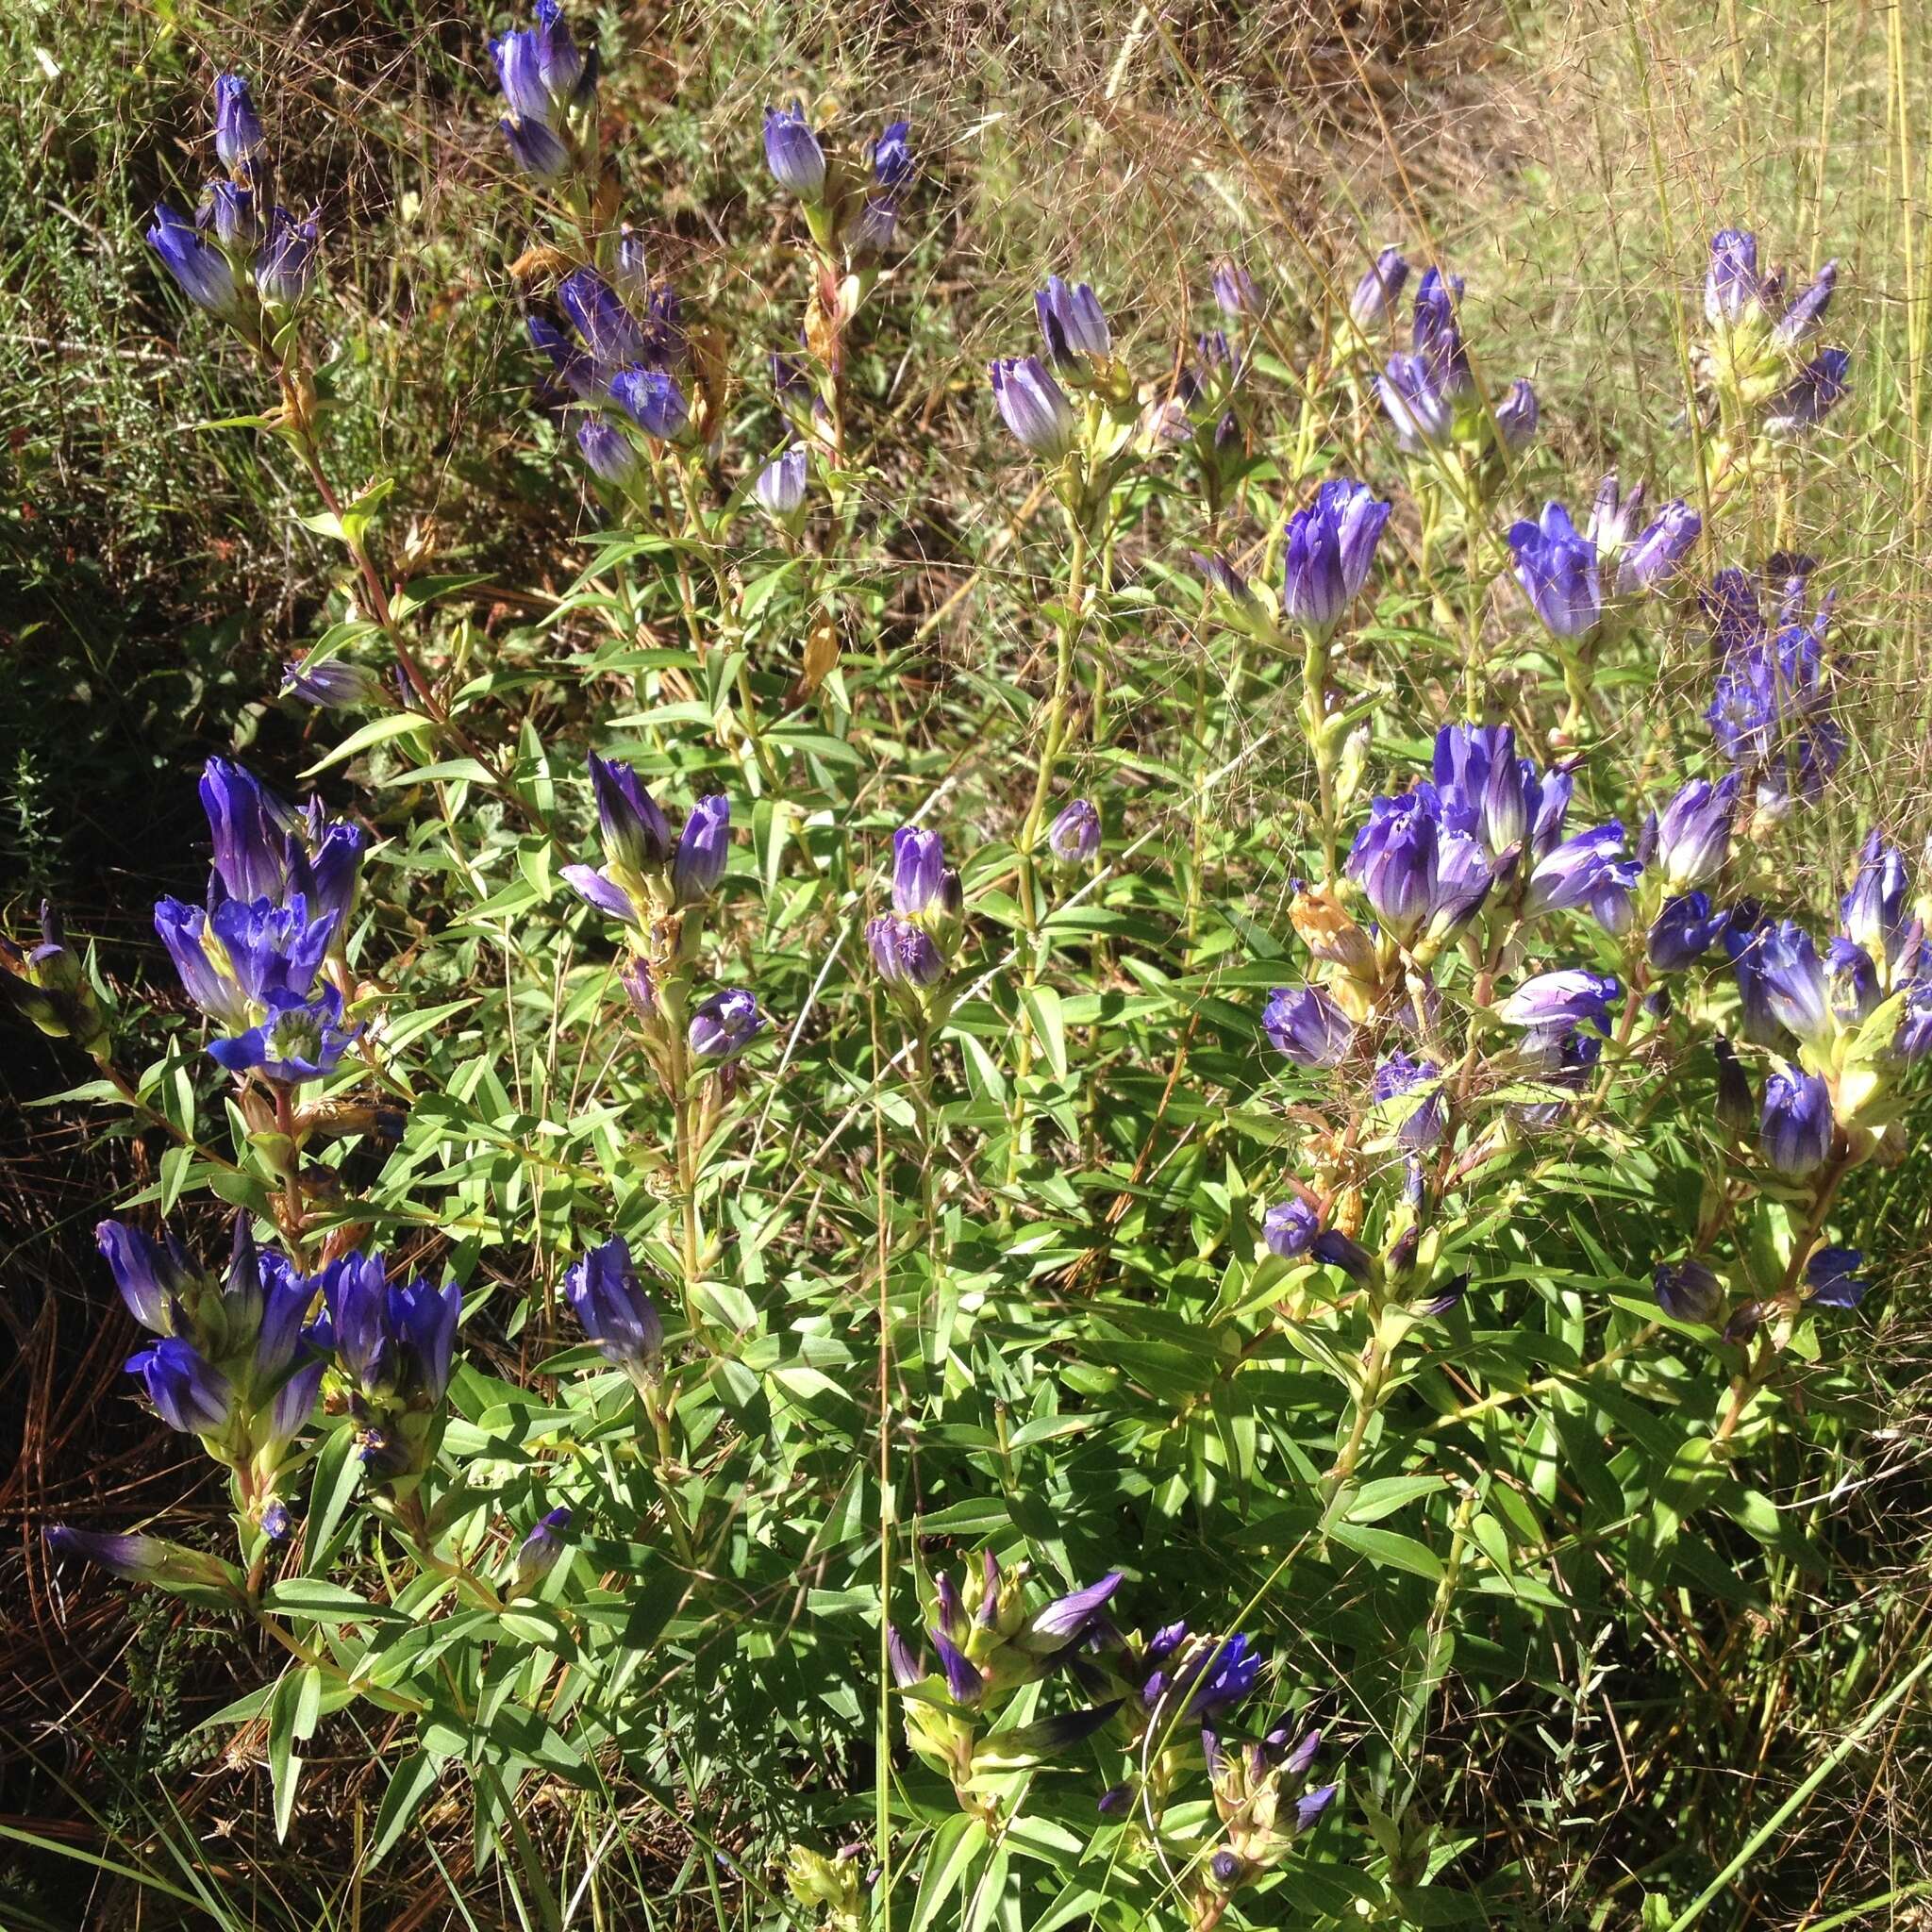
point(232, 1360)
point(235, 242)
point(1429, 859)
point(1431, 392)
point(280, 896)
point(618, 351)
point(1771, 709)
point(1563, 570)
point(546, 79)
point(646, 872)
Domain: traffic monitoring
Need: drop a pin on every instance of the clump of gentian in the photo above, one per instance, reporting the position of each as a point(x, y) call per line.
point(1260, 1799)
point(246, 264)
point(1845, 1020)
point(393, 1345)
point(232, 1361)
point(280, 895)
point(648, 877)
point(849, 204)
point(1434, 403)
point(1587, 585)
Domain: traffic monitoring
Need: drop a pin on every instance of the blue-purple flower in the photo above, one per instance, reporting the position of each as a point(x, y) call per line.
point(1684, 930)
point(1226, 1676)
point(614, 1311)
point(1570, 997)
point(1690, 840)
point(1812, 394)
point(538, 1554)
point(300, 1039)
point(1073, 837)
point(1833, 1279)
point(1290, 1227)
point(1557, 570)
point(1872, 913)
point(1516, 416)
point(651, 399)
point(1688, 1291)
point(397, 1336)
point(1771, 707)
point(703, 847)
point(610, 454)
point(725, 1024)
point(1331, 546)
point(1796, 1131)
point(793, 153)
point(607, 329)
point(904, 953)
point(780, 485)
point(153, 1278)
point(543, 73)
point(1235, 293)
point(333, 683)
point(201, 271)
point(1072, 326)
point(1305, 1023)
point(1399, 1077)
point(237, 128)
point(187, 1392)
point(1377, 294)
point(1486, 792)
point(1033, 405)
point(285, 265)
point(1794, 980)
point(1587, 868)
point(1425, 880)
point(918, 871)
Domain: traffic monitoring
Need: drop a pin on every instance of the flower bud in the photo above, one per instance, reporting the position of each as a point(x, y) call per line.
point(1688, 1291)
point(1074, 835)
point(538, 1554)
point(793, 153)
point(1033, 405)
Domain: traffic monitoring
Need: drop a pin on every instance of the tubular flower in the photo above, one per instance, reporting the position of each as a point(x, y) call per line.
point(1795, 1132)
point(1331, 546)
point(793, 153)
point(1308, 1027)
point(614, 1311)
point(1033, 405)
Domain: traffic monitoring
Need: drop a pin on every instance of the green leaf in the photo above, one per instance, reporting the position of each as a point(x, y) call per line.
point(411, 1781)
point(1389, 1551)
